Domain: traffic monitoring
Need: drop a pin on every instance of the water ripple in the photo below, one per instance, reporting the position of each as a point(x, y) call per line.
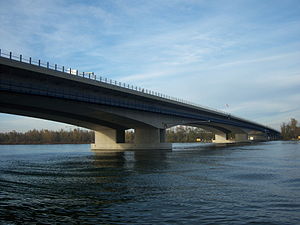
point(226, 185)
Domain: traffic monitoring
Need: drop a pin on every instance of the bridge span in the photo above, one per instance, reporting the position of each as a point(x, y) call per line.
point(52, 92)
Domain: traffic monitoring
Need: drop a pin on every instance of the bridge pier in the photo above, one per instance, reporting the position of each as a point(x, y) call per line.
point(258, 137)
point(221, 137)
point(243, 137)
point(145, 138)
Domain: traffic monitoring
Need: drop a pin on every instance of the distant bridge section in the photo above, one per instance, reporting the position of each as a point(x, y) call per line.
point(32, 88)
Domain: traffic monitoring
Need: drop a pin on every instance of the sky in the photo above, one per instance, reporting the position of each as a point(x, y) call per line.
point(239, 56)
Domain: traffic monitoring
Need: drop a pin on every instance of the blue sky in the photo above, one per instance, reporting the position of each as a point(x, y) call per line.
point(244, 53)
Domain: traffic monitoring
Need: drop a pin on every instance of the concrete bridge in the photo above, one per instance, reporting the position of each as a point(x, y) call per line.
point(42, 90)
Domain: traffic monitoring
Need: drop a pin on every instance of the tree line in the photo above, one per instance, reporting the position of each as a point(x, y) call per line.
point(80, 136)
point(290, 130)
point(75, 136)
point(188, 134)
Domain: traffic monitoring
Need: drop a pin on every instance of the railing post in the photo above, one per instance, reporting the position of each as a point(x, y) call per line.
point(0, 51)
point(89, 75)
point(29, 60)
point(83, 74)
point(55, 66)
point(47, 65)
point(10, 54)
point(76, 72)
point(39, 62)
point(63, 69)
point(20, 58)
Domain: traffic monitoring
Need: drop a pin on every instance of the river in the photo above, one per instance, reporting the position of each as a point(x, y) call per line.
point(70, 184)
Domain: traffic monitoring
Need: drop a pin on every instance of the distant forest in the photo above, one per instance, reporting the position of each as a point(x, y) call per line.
point(75, 136)
point(80, 136)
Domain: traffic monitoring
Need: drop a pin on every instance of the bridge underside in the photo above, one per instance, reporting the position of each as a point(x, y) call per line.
point(108, 123)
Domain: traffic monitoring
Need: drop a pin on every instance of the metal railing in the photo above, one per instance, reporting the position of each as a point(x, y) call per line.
point(92, 76)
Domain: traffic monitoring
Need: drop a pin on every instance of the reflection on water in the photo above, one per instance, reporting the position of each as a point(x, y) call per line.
point(50, 184)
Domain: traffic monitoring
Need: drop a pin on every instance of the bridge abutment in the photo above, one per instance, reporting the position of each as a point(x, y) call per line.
point(145, 138)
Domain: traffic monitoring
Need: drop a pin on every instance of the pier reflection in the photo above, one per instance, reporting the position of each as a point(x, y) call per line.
point(130, 160)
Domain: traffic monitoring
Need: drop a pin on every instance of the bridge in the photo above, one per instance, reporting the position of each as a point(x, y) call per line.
point(42, 90)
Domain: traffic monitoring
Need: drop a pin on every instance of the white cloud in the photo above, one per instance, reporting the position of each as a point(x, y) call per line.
point(137, 77)
point(259, 60)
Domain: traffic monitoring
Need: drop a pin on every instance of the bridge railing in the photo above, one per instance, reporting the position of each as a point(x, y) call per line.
point(93, 76)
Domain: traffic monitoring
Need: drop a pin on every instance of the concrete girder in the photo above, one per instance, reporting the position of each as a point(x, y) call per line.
point(156, 120)
point(233, 129)
point(84, 114)
point(62, 110)
point(86, 122)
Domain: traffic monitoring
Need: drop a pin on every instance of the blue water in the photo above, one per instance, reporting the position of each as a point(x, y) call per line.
point(69, 184)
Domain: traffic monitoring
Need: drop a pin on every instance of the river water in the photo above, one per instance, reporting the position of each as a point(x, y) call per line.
point(70, 184)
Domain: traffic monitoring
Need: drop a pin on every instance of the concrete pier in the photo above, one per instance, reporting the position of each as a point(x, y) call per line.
point(241, 137)
point(222, 138)
point(145, 138)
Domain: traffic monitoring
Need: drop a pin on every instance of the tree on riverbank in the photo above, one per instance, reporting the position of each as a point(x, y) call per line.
point(179, 134)
point(188, 134)
point(290, 130)
point(75, 136)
